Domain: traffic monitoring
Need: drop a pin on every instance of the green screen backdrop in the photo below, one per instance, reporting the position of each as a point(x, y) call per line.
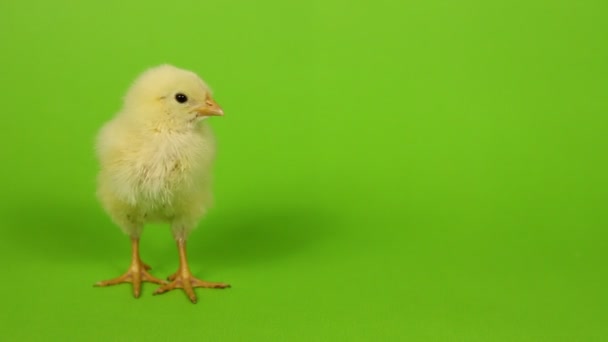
point(387, 170)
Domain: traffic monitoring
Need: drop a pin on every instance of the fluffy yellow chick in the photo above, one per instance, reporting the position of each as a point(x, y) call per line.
point(156, 156)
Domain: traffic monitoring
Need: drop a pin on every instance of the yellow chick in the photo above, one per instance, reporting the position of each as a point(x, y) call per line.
point(156, 156)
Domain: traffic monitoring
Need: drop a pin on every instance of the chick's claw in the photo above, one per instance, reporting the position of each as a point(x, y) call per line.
point(135, 275)
point(188, 283)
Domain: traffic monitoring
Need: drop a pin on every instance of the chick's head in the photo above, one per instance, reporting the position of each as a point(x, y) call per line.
point(170, 95)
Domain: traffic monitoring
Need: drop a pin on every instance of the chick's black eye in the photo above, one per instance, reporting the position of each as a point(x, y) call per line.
point(181, 98)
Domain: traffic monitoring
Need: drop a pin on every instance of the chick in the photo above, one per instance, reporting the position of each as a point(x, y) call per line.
point(156, 156)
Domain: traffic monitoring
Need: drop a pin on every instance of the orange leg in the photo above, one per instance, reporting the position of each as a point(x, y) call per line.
point(137, 273)
point(183, 279)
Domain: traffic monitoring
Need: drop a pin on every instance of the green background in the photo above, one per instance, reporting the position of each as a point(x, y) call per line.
point(387, 170)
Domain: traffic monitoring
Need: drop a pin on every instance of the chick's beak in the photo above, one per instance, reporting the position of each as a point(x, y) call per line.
point(211, 108)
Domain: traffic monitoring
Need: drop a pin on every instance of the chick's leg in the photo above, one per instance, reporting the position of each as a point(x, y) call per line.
point(183, 279)
point(137, 273)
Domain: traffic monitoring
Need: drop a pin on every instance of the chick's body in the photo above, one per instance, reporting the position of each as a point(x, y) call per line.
point(151, 175)
point(155, 160)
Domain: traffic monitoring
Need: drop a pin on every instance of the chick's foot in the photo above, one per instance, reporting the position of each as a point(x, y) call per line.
point(184, 280)
point(137, 274)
